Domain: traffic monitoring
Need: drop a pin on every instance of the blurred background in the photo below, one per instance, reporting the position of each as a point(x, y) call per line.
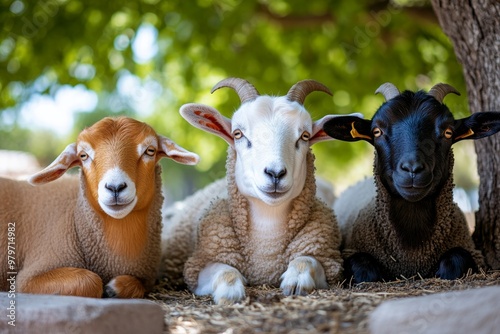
point(65, 64)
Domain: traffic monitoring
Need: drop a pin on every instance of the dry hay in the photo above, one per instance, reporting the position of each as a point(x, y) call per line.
point(265, 310)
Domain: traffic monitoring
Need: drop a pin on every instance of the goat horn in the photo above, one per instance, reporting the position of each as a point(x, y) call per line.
point(301, 89)
point(245, 90)
point(388, 90)
point(440, 90)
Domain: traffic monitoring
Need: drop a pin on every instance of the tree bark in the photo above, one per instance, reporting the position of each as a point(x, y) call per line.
point(474, 29)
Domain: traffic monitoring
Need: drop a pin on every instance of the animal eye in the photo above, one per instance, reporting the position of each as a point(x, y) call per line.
point(151, 151)
point(377, 132)
point(237, 134)
point(305, 136)
point(448, 133)
point(83, 156)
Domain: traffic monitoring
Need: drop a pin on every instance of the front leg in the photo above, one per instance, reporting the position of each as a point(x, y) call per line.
point(454, 263)
point(223, 282)
point(124, 286)
point(363, 267)
point(304, 274)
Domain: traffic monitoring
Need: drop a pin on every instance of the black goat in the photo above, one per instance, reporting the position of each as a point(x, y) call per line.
point(412, 225)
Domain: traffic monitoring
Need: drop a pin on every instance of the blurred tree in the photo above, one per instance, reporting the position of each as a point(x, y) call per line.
point(474, 28)
point(177, 50)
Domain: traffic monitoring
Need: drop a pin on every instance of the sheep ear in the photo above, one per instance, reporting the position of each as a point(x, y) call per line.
point(208, 119)
point(66, 160)
point(349, 128)
point(319, 134)
point(476, 126)
point(173, 151)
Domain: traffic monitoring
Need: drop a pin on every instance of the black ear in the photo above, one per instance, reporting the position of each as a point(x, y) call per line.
point(476, 126)
point(349, 128)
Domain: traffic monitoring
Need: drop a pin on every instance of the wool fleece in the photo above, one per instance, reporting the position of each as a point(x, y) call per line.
point(224, 235)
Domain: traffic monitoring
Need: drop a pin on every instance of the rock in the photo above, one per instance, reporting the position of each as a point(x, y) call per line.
point(469, 311)
point(68, 314)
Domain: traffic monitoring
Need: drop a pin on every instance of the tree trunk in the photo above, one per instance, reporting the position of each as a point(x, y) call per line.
point(474, 29)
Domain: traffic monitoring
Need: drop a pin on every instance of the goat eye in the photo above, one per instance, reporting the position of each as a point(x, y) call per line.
point(305, 136)
point(448, 133)
point(151, 151)
point(237, 134)
point(377, 132)
point(83, 156)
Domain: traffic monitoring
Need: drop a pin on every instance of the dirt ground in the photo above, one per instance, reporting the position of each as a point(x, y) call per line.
point(265, 310)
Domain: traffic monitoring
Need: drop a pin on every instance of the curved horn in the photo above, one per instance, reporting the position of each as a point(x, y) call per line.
point(388, 90)
point(301, 89)
point(440, 90)
point(245, 90)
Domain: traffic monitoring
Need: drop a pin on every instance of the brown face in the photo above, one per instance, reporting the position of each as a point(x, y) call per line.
point(118, 158)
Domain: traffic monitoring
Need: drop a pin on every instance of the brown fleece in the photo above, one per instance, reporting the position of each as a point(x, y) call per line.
point(373, 233)
point(55, 227)
point(99, 257)
point(224, 235)
point(180, 227)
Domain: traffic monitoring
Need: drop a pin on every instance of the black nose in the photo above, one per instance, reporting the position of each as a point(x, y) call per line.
point(116, 188)
point(412, 166)
point(276, 175)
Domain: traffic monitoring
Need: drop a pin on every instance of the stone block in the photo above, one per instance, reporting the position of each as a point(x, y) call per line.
point(67, 314)
point(470, 311)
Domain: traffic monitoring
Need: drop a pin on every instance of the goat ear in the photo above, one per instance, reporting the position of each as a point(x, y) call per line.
point(319, 134)
point(208, 119)
point(66, 160)
point(476, 126)
point(171, 150)
point(349, 128)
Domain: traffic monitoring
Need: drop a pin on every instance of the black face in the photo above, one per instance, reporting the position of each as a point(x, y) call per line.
point(412, 134)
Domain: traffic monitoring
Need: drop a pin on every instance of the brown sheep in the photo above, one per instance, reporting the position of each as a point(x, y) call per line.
point(95, 235)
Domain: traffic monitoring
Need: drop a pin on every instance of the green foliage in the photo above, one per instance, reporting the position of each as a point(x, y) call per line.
point(350, 46)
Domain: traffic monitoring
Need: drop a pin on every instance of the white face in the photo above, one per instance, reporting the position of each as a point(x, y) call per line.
point(271, 141)
point(116, 193)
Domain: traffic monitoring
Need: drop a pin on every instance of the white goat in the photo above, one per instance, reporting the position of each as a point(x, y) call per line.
point(271, 227)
